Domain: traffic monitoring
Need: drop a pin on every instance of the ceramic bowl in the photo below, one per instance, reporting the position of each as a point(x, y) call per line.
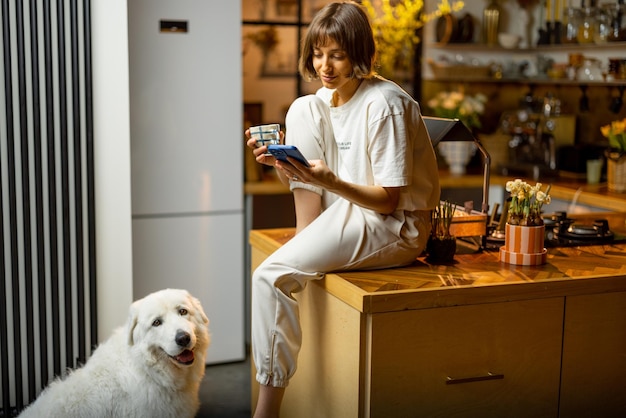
point(457, 154)
point(508, 40)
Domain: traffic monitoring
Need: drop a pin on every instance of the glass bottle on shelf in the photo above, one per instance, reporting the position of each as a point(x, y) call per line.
point(571, 21)
point(602, 27)
point(586, 27)
point(615, 14)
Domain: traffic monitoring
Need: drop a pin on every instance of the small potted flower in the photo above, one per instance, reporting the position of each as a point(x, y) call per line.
point(441, 244)
point(525, 229)
point(615, 132)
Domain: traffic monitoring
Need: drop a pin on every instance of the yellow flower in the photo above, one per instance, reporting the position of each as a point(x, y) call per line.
point(395, 24)
point(615, 132)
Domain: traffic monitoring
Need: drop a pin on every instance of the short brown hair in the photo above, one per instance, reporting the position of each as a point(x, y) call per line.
point(347, 24)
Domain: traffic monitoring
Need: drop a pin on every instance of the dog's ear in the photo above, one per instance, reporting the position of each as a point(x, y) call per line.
point(198, 311)
point(133, 318)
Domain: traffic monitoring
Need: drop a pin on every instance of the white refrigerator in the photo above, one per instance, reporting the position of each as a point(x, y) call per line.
point(187, 159)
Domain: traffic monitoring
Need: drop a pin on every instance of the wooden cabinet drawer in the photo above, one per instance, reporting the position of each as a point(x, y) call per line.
point(414, 354)
point(594, 356)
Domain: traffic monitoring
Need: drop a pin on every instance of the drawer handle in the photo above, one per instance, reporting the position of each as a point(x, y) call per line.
point(488, 376)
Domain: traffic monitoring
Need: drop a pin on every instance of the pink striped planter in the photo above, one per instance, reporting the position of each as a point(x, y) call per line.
point(523, 245)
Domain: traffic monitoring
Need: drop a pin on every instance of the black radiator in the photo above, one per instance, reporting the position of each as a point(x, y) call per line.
point(47, 234)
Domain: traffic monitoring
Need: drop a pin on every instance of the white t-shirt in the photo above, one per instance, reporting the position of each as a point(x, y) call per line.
point(382, 140)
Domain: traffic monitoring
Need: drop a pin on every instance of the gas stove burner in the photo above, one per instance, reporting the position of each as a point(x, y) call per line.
point(584, 230)
point(562, 231)
point(598, 231)
point(557, 218)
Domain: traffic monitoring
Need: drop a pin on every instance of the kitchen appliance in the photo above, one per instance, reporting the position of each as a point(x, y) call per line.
point(532, 146)
point(187, 160)
point(537, 133)
point(562, 231)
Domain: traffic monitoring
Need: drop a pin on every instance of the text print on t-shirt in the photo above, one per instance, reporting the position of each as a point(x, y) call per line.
point(344, 145)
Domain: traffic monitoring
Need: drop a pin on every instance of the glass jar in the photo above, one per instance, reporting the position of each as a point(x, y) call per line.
point(602, 27)
point(591, 70)
point(615, 14)
point(571, 21)
point(586, 27)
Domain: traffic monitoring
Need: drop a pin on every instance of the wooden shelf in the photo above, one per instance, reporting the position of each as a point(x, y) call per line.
point(497, 50)
point(534, 81)
point(617, 46)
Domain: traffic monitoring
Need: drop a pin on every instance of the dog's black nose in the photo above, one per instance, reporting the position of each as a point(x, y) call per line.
point(183, 338)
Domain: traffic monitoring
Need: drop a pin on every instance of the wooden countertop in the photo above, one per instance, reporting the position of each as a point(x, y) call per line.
point(471, 279)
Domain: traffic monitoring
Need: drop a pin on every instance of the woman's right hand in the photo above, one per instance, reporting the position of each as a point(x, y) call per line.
point(260, 153)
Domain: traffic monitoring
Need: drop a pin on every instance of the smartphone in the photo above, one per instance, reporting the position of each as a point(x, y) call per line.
point(281, 152)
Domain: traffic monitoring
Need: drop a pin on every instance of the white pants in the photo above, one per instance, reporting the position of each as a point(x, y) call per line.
point(344, 237)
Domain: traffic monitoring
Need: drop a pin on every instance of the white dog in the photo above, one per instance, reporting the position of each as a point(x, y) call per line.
point(152, 367)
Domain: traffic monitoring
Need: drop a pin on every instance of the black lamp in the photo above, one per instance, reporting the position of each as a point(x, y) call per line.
point(442, 129)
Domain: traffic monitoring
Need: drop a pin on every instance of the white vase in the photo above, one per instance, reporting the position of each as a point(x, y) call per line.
point(525, 21)
point(457, 154)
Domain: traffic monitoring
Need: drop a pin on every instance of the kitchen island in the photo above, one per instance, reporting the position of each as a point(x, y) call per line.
point(476, 338)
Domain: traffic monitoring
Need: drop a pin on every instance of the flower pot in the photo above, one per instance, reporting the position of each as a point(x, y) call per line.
point(440, 250)
point(523, 245)
point(616, 174)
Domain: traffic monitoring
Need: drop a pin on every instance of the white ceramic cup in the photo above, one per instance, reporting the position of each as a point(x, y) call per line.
point(266, 134)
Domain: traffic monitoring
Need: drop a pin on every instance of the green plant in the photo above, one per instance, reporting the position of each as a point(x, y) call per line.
point(395, 24)
point(526, 203)
point(441, 219)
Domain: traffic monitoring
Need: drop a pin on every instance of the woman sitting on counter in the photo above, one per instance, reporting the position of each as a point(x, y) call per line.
point(363, 203)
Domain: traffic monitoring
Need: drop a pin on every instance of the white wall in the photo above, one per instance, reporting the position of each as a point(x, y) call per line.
point(112, 160)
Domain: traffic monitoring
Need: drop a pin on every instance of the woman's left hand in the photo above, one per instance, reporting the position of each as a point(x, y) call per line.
point(317, 173)
point(380, 199)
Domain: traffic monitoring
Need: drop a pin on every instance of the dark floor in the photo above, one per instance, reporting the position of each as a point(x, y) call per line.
point(225, 391)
